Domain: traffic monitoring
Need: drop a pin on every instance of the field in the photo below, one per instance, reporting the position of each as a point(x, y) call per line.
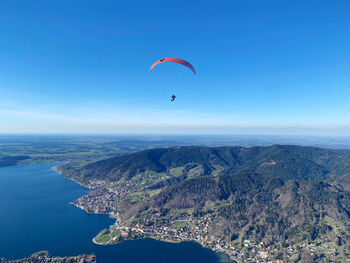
point(107, 237)
point(179, 224)
point(20, 149)
point(77, 149)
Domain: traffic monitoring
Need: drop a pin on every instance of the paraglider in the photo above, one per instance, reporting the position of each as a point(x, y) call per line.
point(174, 60)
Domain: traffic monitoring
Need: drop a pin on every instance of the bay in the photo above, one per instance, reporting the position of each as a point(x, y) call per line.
point(35, 215)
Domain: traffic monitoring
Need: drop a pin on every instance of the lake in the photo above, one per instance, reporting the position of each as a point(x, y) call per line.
point(35, 215)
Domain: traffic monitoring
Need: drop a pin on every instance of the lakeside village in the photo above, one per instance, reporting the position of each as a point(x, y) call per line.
point(44, 257)
point(184, 227)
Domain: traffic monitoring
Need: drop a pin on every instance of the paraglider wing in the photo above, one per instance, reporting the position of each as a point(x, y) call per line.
point(174, 60)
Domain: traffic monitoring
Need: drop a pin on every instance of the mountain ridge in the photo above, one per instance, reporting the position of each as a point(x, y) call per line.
point(290, 162)
point(282, 196)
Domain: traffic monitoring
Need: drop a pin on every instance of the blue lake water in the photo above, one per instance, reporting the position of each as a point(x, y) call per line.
point(35, 215)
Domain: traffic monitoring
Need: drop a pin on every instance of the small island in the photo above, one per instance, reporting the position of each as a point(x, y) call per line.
point(43, 256)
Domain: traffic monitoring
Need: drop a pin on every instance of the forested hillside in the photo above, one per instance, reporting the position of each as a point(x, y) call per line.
point(282, 196)
point(288, 162)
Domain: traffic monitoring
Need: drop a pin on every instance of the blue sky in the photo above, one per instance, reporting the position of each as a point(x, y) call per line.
point(263, 66)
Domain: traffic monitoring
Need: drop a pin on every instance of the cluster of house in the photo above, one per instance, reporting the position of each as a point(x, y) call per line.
point(102, 200)
point(99, 201)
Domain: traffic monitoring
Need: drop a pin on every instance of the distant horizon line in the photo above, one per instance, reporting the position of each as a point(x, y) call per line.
point(228, 135)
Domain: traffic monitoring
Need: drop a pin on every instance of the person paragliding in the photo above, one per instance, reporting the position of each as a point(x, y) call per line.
point(174, 60)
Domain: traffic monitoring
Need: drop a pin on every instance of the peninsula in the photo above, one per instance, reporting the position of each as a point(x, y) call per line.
point(255, 204)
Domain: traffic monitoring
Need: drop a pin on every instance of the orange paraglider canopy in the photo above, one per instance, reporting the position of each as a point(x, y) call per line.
point(174, 60)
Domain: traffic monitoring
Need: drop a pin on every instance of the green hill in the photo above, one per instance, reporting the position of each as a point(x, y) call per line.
point(286, 197)
point(287, 162)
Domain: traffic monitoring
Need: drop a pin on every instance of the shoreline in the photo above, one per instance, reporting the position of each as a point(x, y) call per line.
point(218, 252)
point(56, 169)
point(100, 244)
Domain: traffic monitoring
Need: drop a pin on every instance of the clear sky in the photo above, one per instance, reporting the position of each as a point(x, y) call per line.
point(263, 66)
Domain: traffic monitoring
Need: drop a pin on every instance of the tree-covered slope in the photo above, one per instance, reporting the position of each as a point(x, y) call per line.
point(280, 213)
point(283, 196)
point(288, 162)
